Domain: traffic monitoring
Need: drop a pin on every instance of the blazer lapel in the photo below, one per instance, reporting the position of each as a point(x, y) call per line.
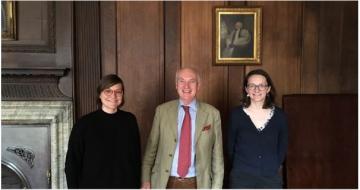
point(172, 119)
point(201, 117)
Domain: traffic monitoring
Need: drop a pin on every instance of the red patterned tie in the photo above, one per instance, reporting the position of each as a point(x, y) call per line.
point(185, 145)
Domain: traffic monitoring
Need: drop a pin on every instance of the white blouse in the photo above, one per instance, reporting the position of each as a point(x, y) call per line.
point(261, 124)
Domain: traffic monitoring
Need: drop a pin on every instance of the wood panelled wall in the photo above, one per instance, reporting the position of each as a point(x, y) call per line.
point(307, 47)
point(141, 58)
point(87, 56)
point(329, 61)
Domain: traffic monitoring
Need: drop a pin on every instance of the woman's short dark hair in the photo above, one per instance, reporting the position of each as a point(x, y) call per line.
point(270, 97)
point(107, 82)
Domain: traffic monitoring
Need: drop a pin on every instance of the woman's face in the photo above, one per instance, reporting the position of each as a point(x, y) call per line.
point(111, 98)
point(257, 88)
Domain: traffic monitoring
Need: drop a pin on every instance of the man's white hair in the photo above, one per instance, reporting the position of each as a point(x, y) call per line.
point(190, 68)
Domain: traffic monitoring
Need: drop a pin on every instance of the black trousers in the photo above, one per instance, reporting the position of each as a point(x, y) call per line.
point(241, 180)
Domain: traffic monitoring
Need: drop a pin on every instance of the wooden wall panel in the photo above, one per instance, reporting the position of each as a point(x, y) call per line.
point(196, 51)
point(349, 49)
point(330, 32)
point(310, 48)
point(108, 37)
point(87, 56)
point(140, 59)
point(281, 52)
point(172, 51)
point(329, 62)
point(235, 79)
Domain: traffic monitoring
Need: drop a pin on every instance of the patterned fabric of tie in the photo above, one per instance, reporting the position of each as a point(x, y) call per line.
point(185, 145)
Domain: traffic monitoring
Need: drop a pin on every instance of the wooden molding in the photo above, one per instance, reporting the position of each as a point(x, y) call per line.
point(49, 47)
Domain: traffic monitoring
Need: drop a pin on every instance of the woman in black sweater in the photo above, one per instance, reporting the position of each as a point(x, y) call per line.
point(104, 146)
point(258, 136)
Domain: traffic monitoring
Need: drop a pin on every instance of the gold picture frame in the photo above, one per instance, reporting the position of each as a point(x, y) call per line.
point(238, 36)
point(8, 20)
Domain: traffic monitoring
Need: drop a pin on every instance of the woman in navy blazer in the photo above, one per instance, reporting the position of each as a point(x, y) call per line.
point(257, 136)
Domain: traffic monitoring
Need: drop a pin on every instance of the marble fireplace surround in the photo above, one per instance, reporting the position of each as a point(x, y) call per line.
point(59, 116)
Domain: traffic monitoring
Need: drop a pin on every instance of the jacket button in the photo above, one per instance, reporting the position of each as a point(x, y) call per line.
point(259, 156)
point(170, 155)
point(175, 140)
point(167, 171)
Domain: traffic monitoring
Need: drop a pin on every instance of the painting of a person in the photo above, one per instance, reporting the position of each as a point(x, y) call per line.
point(238, 42)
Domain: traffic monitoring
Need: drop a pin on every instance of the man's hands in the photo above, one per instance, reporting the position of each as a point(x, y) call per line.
point(146, 185)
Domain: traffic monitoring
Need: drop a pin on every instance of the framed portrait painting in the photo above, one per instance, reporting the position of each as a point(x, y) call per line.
point(8, 20)
point(237, 36)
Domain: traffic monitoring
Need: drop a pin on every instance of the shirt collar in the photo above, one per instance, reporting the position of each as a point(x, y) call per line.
point(192, 104)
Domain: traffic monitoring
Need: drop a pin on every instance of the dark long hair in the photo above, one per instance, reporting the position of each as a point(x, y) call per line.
point(270, 97)
point(107, 82)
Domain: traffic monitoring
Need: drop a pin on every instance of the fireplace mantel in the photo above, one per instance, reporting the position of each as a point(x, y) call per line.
point(58, 115)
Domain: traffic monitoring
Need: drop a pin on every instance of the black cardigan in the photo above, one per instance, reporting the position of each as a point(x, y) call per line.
point(257, 152)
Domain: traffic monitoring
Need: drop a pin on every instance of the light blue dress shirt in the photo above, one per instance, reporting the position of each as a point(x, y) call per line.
point(181, 115)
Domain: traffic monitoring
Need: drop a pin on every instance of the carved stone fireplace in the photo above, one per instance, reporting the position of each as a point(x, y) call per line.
point(36, 95)
point(34, 142)
point(36, 120)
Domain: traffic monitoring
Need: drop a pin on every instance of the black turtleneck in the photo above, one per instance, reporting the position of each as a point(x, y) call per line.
point(104, 152)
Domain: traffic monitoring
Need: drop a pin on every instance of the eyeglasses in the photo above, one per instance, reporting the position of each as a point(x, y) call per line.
point(109, 92)
point(261, 87)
